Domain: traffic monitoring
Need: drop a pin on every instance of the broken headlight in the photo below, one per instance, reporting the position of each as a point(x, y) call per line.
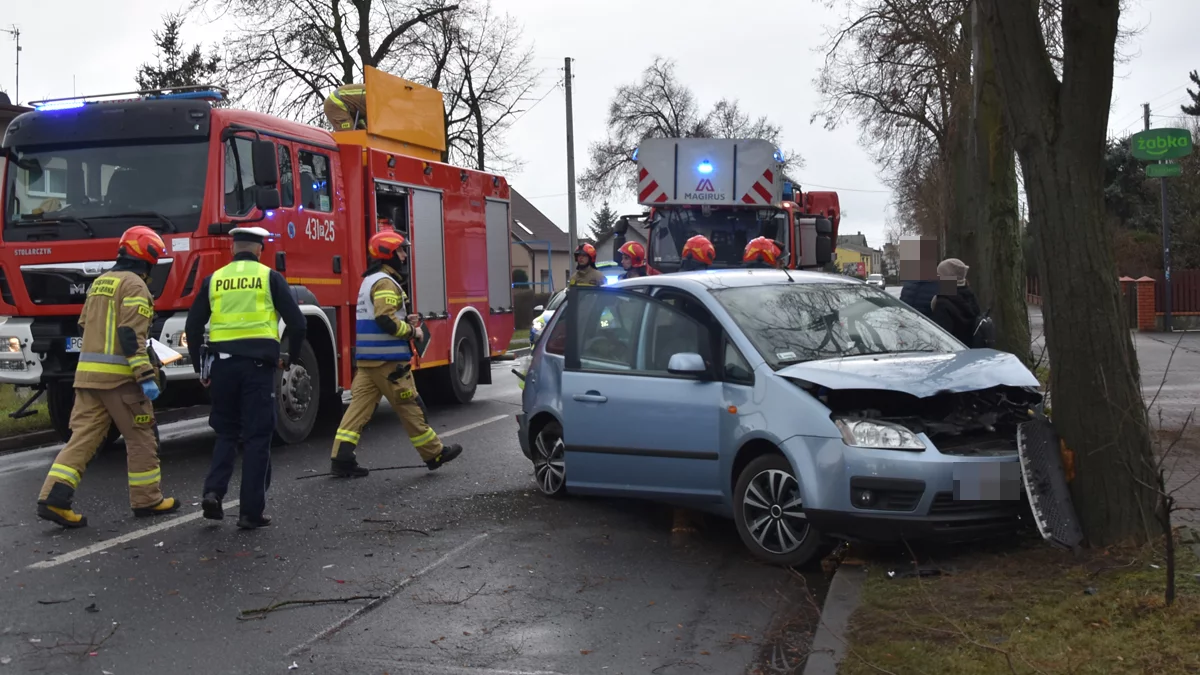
point(881, 435)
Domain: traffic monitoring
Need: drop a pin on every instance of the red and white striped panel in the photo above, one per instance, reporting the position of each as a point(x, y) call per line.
point(760, 192)
point(648, 190)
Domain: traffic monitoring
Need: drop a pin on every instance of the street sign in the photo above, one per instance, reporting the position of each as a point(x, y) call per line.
point(1163, 170)
point(1161, 144)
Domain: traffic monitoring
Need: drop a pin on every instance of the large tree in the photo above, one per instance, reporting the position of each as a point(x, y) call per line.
point(1060, 126)
point(285, 56)
point(603, 221)
point(1193, 108)
point(175, 65)
point(660, 106)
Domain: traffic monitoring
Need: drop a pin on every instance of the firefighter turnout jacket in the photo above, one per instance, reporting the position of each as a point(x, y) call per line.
point(116, 322)
point(346, 107)
point(381, 324)
point(588, 276)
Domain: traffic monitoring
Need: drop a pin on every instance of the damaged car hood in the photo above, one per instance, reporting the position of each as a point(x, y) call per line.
point(919, 374)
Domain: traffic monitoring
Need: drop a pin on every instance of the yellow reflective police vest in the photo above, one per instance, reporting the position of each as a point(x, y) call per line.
point(242, 309)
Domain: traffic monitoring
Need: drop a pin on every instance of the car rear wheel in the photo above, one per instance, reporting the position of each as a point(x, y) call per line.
point(549, 460)
point(769, 513)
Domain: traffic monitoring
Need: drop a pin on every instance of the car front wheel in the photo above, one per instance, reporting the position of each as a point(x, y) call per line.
point(769, 513)
point(549, 460)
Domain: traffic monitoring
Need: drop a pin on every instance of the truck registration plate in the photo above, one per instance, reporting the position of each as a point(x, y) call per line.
point(74, 344)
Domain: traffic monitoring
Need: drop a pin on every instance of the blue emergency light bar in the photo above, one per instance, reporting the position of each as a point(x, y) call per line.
point(196, 92)
point(705, 167)
point(779, 155)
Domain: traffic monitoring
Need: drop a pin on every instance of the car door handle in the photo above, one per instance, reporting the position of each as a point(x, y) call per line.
point(591, 397)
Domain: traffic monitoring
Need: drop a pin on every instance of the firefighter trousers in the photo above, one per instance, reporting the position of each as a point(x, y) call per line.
point(395, 382)
point(131, 412)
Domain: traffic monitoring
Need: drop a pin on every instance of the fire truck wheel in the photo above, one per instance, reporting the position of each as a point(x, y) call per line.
point(60, 398)
point(298, 397)
point(463, 374)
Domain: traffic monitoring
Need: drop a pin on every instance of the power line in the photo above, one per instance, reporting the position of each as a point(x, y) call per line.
point(805, 183)
point(535, 103)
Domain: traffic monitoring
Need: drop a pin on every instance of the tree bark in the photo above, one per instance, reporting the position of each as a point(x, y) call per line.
point(1060, 130)
point(1000, 255)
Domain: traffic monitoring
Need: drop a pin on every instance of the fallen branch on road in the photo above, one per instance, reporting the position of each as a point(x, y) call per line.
point(260, 612)
point(385, 468)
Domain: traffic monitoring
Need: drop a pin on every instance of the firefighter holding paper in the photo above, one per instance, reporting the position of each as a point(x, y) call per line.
point(115, 383)
point(383, 352)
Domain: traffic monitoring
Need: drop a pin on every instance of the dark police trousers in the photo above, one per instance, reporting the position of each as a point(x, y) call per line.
point(243, 414)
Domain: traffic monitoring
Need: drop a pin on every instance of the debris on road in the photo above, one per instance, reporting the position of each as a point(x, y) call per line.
point(54, 602)
point(92, 609)
point(260, 612)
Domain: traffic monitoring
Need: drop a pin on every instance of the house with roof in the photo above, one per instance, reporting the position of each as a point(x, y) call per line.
point(539, 248)
point(854, 257)
point(606, 248)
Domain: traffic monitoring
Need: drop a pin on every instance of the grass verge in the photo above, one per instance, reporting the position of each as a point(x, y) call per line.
point(10, 399)
point(520, 338)
point(1031, 609)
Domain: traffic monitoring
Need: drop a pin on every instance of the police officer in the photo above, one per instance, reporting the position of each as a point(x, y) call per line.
point(382, 352)
point(244, 301)
point(586, 273)
point(346, 107)
point(114, 384)
point(633, 259)
point(698, 254)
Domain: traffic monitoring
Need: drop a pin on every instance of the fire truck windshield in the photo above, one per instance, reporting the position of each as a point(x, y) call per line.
point(99, 191)
point(729, 229)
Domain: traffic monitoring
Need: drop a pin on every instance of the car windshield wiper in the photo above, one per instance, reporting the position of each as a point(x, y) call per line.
point(169, 225)
point(83, 224)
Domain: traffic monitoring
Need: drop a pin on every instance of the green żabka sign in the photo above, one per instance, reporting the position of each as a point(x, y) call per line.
point(1153, 144)
point(1169, 170)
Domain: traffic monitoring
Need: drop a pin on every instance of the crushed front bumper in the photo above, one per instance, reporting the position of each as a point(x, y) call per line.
point(21, 366)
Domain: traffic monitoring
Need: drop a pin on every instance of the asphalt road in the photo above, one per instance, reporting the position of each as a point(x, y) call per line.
point(475, 572)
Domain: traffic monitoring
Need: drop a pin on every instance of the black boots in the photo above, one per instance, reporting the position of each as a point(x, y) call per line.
point(212, 506)
point(56, 507)
point(247, 523)
point(349, 469)
point(448, 453)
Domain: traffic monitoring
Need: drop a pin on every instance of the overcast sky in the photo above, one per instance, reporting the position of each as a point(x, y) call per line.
point(758, 51)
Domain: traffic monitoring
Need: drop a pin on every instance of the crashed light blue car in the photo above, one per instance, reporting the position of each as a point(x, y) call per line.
point(804, 406)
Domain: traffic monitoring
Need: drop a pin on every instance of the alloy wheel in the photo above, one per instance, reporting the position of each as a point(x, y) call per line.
point(549, 465)
point(773, 512)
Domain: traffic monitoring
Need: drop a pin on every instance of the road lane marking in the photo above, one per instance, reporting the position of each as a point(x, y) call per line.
point(431, 668)
point(349, 618)
point(138, 534)
point(127, 537)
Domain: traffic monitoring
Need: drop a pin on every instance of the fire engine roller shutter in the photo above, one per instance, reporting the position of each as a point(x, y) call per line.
point(428, 252)
point(498, 237)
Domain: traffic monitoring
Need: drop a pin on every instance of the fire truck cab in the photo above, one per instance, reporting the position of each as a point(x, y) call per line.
point(731, 191)
point(78, 172)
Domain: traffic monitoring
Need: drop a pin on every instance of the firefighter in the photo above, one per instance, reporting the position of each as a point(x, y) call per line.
point(698, 254)
point(115, 383)
point(762, 253)
point(383, 353)
point(586, 273)
point(244, 301)
point(633, 259)
point(346, 107)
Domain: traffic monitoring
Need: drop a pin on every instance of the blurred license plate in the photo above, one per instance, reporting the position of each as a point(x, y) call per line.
point(987, 481)
point(74, 344)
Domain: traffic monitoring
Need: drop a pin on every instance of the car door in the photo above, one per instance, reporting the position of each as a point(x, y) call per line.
point(630, 426)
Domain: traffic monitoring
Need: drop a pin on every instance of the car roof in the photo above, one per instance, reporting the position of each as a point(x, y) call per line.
point(734, 278)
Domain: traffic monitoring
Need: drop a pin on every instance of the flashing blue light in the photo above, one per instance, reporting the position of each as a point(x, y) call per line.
point(705, 167)
point(779, 156)
point(635, 151)
point(207, 94)
point(270, 214)
point(60, 105)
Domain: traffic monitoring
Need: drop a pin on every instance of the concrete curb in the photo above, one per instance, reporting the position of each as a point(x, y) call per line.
point(520, 351)
point(829, 644)
point(28, 441)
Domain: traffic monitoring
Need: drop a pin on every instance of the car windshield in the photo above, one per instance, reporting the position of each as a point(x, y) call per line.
point(556, 301)
point(96, 191)
point(797, 322)
point(728, 229)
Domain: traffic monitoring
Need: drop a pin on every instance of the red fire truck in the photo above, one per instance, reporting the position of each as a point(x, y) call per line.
point(731, 191)
point(78, 172)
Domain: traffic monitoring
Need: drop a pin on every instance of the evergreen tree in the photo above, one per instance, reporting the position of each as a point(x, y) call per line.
point(603, 222)
point(177, 65)
point(1194, 108)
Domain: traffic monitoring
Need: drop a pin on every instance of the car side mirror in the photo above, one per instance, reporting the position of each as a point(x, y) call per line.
point(539, 308)
point(266, 166)
point(686, 363)
point(266, 198)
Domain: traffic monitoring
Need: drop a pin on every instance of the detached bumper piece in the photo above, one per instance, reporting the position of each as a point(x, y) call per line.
point(1046, 484)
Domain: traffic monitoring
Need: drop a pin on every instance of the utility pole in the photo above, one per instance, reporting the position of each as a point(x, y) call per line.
point(1166, 239)
point(16, 33)
point(571, 231)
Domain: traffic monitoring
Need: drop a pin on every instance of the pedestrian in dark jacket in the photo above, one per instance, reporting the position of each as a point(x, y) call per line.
point(958, 313)
point(919, 294)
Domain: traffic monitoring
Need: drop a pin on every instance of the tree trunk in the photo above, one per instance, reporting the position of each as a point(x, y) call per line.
point(1000, 255)
point(1060, 130)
